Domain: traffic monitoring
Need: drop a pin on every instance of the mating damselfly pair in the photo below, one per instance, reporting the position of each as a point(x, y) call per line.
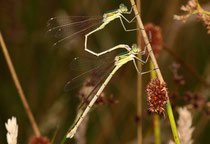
point(129, 55)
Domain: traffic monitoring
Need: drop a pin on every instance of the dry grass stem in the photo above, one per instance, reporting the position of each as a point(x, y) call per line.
point(146, 40)
point(139, 88)
point(18, 86)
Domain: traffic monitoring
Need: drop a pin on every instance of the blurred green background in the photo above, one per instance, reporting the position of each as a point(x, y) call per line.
point(43, 71)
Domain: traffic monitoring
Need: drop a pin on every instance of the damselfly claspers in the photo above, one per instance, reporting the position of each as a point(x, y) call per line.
point(71, 27)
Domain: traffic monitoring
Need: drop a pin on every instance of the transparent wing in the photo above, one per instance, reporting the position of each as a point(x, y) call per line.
point(65, 29)
point(95, 89)
point(86, 63)
point(95, 72)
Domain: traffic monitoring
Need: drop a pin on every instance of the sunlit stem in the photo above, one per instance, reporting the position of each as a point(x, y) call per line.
point(156, 119)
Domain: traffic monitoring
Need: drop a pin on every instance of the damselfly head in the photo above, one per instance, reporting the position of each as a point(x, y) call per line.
point(123, 8)
point(135, 48)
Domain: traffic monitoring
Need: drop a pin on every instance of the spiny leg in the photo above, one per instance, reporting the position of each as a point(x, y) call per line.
point(150, 39)
point(143, 61)
point(130, 11)
point(144, 51)
point(139, 72)
point(128, 30)
point(127, 19)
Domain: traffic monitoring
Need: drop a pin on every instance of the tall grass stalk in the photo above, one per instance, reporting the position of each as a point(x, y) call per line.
point(156, 119)
point(139, 88)
point(158, 72)
point(18, 86)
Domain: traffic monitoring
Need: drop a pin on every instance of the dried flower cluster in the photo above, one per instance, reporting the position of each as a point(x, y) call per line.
point(156, 96)
point(184, 126)
point(193, 7)
point(39, 140)
point(156, 39)
point(178, 79)
point(195, 99)
point(12, 130)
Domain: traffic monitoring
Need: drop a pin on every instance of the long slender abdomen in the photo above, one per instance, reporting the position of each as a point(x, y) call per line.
point(87, 109)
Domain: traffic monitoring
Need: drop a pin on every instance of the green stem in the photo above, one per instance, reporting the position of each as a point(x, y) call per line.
point(199, 7)
point(156, 119)
point(64, 139)
point(206, 12)
point(156, 123)
point(153, 73)
point(172, 122)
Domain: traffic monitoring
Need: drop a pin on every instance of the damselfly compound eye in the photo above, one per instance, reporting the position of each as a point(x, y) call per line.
point(123, 8)
point(135, 48)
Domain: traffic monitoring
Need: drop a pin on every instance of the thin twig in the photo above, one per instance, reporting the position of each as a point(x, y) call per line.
point(159, 75)
point(139, 88)
point(19, 88)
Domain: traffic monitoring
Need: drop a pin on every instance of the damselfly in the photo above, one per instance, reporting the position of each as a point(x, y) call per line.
point(70, 27)
point(120, 60)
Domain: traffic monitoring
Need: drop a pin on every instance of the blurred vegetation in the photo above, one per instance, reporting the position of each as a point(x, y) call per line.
point(43, 71)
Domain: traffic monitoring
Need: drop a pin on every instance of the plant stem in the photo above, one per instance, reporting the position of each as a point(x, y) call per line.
point(200, 8)
point(156, 123)
point(172, 122)
point(139, 88)
point(159, 75)
point(156, 119)
point(18, 86)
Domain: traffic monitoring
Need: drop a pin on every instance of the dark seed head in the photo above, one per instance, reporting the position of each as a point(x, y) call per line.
point(156, 96)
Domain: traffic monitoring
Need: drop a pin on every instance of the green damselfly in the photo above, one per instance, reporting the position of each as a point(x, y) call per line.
point(119, 61)
point(68, 28)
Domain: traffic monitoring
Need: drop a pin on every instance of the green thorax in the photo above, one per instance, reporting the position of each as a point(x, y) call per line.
point(112, 12)
point(123, 55)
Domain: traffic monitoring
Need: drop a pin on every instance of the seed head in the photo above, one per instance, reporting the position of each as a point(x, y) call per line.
point(156, 41)
point(39, 140)
point(156, 96)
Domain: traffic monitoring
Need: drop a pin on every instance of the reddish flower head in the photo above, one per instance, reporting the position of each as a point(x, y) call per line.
point(155, 35)
point(156, 96)
point(39, 140)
